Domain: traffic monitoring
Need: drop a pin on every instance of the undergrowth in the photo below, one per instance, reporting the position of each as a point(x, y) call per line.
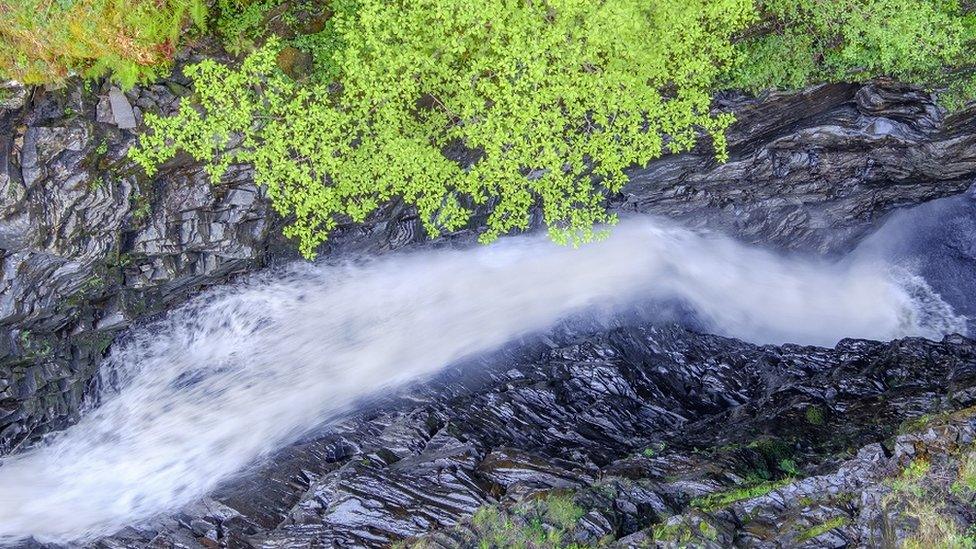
point(541, 523)
point(919, 494)
point(508, 109)
point(798, 42)
point(46, 41)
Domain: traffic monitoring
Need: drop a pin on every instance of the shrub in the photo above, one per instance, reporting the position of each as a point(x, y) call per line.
point(925, 42)
point(548, 102)
point(555, 99)
point(45, 41)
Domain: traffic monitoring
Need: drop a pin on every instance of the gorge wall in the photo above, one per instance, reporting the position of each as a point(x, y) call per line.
point(91, 246)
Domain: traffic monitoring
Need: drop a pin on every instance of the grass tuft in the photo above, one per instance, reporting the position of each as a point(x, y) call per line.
point(47, 41)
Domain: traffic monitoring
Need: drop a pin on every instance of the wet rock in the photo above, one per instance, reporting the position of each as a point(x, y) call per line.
point(294, 62)
point(103, 111)
point(122, 112)
point(744, 470)
point(13, 95)
point(813, 170)
point(88, 245)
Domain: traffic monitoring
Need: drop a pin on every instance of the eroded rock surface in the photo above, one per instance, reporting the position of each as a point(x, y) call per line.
point(89, 245)
point(622, 431)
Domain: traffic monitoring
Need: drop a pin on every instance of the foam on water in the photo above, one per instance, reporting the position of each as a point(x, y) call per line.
point(240, 372)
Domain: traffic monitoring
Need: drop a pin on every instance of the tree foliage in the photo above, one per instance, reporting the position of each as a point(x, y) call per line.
point(556, 98)
point(925, 42)
point(552, 99)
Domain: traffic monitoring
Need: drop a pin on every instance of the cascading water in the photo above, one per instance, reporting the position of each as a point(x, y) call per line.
point(240, 372)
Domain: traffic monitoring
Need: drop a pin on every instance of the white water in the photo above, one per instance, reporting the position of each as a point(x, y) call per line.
point(241, 372)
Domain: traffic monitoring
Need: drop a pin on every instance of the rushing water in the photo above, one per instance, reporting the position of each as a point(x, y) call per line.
point(240, 372)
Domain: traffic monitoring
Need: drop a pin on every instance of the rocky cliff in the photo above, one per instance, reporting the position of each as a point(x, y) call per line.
point(629, 436)
point(89, 245)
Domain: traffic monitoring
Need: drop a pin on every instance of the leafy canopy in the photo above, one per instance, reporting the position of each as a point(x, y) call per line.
point(554, 97)
point(551, 98)
point(925, 42)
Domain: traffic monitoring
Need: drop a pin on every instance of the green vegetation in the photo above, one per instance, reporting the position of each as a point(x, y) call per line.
point(344, 105)
point(814, 415)
point(34, 348)
point(789, 467)
point(816, 531)
point(920, 498)
point(539, 523)
point(553, 100)
point(718, 500)
point(44, 41)
point(684, 531)
point(933, 528)
point(242, 23)
point(654, 449)
point(965, 483)
point(926, 42)
point(556, 98)
point(908, 480)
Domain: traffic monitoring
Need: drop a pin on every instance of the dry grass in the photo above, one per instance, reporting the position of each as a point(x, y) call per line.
point(46, 41)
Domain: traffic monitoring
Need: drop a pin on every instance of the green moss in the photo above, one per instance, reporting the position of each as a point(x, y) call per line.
point(821, 529)
point(654, 449)
point(684, 532)
point(772, 449)
point(814, 415)
point(679, 532)
point(35, 348)
point(788, 467)
point(917, 423)
point(142, 206)
point(719, 500)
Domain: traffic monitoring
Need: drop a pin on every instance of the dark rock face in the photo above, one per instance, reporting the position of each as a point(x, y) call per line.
point(814, 170)
point(89, 245)
point(633, 423)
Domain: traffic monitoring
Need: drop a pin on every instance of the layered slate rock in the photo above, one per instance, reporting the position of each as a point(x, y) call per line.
point(634, 425)
point(88, 244)
point(815, 169)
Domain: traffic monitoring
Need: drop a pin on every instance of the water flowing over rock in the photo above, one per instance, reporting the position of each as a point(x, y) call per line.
point(632, 422)
point(656, 416)
point(88, 246)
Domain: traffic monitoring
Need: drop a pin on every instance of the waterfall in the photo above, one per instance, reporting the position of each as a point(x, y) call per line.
point(239, 372)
